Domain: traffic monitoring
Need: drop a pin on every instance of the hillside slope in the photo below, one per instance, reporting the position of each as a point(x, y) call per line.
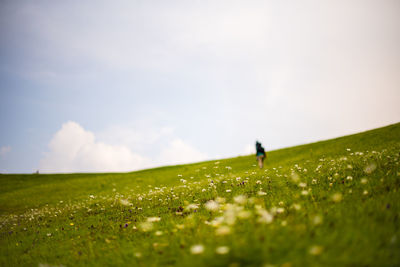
point(334, 202)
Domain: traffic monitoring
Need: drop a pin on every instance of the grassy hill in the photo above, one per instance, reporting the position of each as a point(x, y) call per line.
point(329, 203)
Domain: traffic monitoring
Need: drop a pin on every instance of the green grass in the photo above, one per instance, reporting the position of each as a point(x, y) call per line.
point(329, 203)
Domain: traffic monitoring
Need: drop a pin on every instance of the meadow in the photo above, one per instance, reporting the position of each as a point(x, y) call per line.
point(330, 203)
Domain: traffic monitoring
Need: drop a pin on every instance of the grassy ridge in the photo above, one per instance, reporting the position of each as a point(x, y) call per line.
point(21, 192)
point(327, 203)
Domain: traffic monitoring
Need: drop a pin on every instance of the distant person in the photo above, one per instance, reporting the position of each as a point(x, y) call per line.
point(260, 154)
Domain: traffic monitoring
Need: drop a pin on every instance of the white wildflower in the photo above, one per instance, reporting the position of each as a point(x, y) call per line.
point(124, 202)
point(240, 199)
point(192, 207)
point(265, 216)
point(211, 205)
point(302, 185)
point(146, 226)
point(280, 210)
point(197, 249)
point(222, 250)
point(153, 219)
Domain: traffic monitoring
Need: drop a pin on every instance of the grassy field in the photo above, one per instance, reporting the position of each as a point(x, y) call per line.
point(331, 203)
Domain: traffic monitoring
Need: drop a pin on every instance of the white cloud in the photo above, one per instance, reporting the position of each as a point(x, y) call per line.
point(74, 149)
point(157, 143)
point(139, 139)
point(4, 150)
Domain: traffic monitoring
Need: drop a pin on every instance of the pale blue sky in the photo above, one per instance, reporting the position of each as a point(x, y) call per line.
point(124, 85)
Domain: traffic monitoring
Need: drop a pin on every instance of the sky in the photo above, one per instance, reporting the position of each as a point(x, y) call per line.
point(117, 86)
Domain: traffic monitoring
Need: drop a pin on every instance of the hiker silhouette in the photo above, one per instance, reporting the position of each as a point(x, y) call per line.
point(260, 154)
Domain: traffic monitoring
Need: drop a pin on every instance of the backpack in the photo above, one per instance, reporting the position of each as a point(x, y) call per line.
point(262, 151)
